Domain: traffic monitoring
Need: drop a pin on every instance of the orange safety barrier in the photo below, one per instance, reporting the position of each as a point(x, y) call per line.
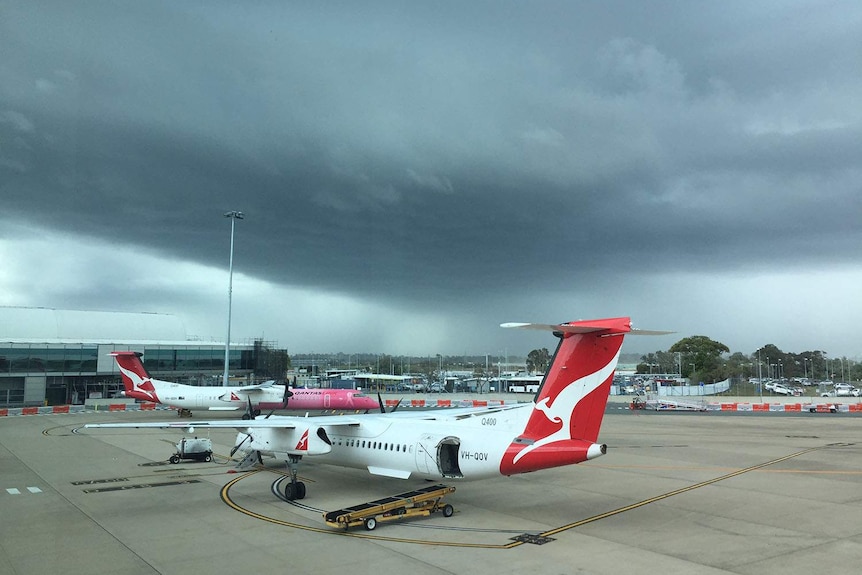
point(444, 403)
point(117, 407)
point(148, 406)
point(61, 409)
point(391, 402)
point(759, 407)
point(4, 412)
point(728, 406)
point(852, 406)
point(792, 407)
point(29, 411)
point(480, 403)
point(417, 402)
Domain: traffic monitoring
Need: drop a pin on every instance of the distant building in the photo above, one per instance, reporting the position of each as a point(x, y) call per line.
point(56, 357)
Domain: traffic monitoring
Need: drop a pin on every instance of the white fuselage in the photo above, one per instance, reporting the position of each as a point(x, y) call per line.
point(212, 398)
point(466, 448)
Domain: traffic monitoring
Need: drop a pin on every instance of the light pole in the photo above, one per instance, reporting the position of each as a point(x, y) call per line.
point(691, 379)
point(234, 216)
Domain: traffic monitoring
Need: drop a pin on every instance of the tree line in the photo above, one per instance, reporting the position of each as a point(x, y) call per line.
point(703, 359)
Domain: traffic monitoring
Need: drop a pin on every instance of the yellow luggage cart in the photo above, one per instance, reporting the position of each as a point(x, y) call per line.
point(421, 502)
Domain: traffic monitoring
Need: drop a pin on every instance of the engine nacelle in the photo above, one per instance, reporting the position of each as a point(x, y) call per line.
point(229, 396)
point(293, 441)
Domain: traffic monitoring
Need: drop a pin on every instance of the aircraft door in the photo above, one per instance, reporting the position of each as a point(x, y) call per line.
point(439, 455)
point(425, 454)
point(326, 401)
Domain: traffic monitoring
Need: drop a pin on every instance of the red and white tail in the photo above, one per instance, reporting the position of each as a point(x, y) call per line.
point(136, 380)
point(564, 425)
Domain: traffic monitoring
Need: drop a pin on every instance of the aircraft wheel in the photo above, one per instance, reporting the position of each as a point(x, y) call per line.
point(174, 459)
point(370, 523)
point(294, 491)
point(448, 510)
point(208, 458)
point(246, 416)
point(256, 412)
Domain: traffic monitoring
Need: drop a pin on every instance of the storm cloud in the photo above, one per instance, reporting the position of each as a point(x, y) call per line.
point(414, 174)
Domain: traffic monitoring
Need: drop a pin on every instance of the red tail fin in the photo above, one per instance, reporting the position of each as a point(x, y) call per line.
point(564, 425)
point(136, 380)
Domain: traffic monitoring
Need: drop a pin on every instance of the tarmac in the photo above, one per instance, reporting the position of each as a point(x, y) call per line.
point(713, 492)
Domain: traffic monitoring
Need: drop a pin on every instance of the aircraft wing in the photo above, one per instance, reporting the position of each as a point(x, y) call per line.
point(275, 422)
point(256, 387)
point(452, 413)
point(293, 422)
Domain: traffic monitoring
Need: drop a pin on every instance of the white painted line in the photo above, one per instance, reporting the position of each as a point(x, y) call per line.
point(34, 490)
point(13, 491)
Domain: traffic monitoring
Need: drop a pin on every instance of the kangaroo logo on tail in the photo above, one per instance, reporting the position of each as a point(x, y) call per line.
point(564, 425)
point(136, 380)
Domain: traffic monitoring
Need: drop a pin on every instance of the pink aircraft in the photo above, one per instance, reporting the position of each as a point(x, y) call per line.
point(139, 385)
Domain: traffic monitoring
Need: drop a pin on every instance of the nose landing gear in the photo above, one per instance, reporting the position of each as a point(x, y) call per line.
point(295, 489)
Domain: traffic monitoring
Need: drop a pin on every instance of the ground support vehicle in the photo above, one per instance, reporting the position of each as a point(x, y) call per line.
point(823, 408)
point(421, 502)
point(197, 449)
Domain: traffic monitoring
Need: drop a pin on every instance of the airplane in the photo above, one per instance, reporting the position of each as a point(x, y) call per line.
point(559, 427)
point(139, 385)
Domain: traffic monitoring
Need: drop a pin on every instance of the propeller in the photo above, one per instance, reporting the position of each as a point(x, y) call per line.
point(287, 395)
point(383, 407)
point(238, 445)
point(249, 412)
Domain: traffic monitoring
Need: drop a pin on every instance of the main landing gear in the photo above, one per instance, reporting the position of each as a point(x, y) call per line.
point(295, 489)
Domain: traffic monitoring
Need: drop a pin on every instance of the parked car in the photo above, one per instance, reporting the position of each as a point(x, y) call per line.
point(437, 388)
point(842, 390)
point(784, 390)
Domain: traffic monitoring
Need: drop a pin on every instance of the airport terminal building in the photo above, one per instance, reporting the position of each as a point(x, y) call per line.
point(58, 357)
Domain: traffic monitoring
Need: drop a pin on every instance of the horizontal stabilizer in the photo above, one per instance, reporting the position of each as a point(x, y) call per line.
point(611, 325)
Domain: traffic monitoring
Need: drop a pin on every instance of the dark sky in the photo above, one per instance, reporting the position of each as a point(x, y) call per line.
point(413, 174)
